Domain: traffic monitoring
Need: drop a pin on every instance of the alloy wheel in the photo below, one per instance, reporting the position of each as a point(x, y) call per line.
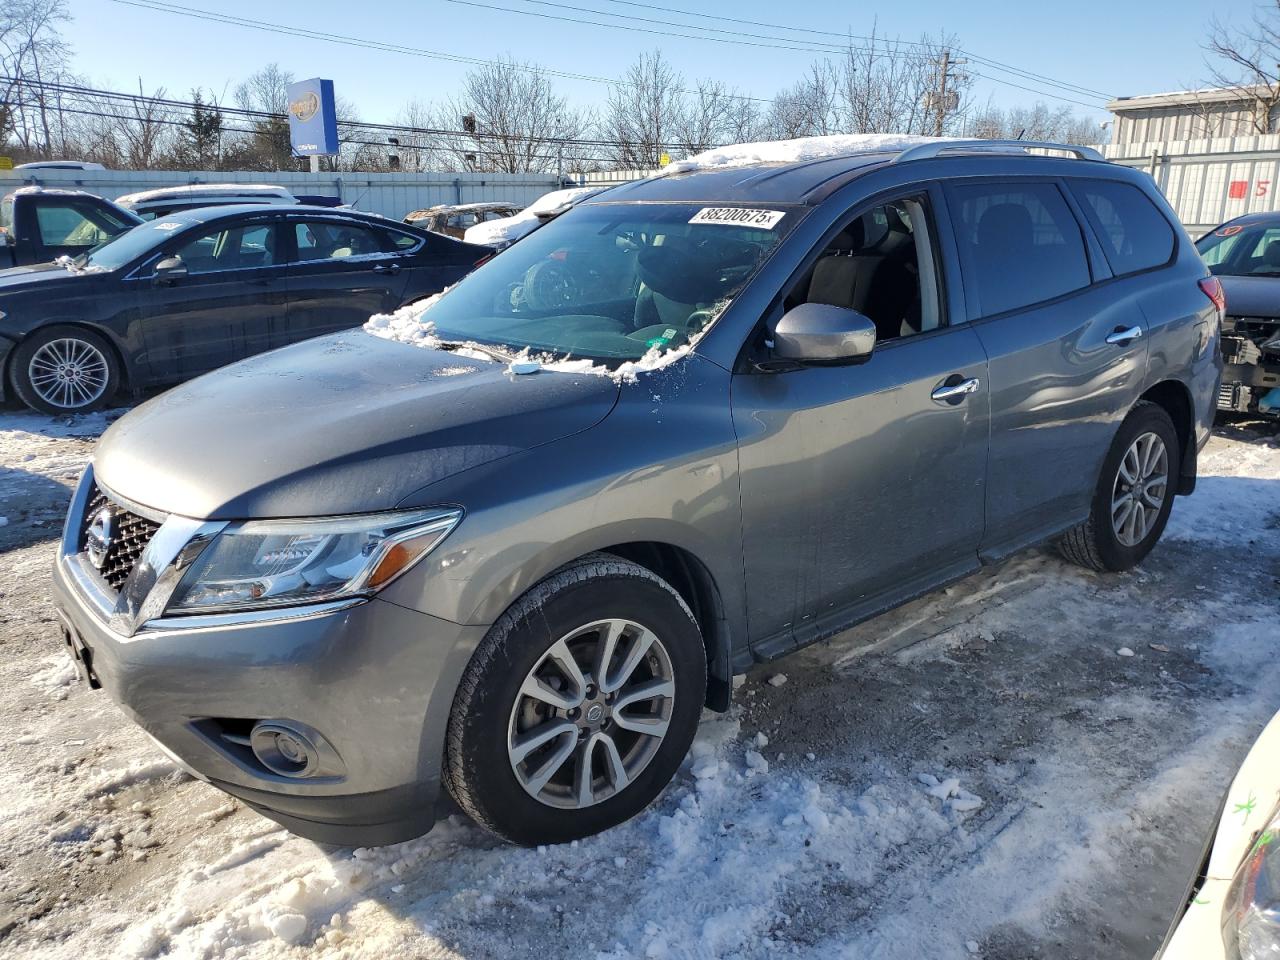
point(68, 373)
point(591, 714)
point(1140, 487)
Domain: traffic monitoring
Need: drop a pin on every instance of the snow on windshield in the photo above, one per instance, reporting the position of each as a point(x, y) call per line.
point(802, 148)
point(510, 229)
point(411, 325)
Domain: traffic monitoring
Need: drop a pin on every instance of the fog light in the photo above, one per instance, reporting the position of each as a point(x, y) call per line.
point(284, 750)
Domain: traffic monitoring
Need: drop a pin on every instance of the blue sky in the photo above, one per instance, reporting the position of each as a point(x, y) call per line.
point(1119, 48)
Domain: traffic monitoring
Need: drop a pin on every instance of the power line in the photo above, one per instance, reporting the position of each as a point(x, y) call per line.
point(823, 49)
point(995, 64)
point(467, 144)
point(80, 90)
point(158, 6)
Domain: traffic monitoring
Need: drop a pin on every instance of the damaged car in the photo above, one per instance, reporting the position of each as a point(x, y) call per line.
point(506, 544)
point(1245, 256)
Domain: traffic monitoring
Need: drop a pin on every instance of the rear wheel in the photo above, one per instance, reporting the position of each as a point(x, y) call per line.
point(64, 370)
point(1134, 495)
point(578, 706)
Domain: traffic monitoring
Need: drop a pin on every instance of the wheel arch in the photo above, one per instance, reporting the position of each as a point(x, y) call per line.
point(126, 372)
point(695, 583)
point(1174, 398)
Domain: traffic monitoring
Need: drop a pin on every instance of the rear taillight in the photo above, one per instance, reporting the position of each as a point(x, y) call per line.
point(1212, 288)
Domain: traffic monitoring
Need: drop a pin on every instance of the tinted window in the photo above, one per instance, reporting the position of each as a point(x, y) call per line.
point(331, 240)
point(1134, 235)
point(231, 248)
point(1237, 250)
point(1020, 244)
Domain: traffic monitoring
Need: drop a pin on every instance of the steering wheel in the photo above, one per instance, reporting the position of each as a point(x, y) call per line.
point(548, 285)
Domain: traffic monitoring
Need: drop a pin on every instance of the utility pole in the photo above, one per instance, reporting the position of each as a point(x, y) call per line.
point(942, 93)
point(944, 104)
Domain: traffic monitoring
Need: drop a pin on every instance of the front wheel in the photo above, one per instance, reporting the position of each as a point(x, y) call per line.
point(578, 706)
point(64, 370)
point(1134, 495)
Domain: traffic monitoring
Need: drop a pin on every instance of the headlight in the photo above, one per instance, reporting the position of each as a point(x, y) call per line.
point(1251, 918)
point(266, 563)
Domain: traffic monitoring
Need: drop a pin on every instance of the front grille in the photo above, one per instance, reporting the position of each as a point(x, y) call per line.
point(130, 536)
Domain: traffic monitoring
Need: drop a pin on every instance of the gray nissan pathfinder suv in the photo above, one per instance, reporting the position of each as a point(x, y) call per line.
point(697, 422)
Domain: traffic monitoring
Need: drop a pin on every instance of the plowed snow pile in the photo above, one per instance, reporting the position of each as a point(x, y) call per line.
point(976, 774)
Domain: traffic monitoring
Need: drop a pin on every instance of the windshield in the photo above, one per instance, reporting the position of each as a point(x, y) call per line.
point(126, 247)
point(611, 281)
point(1236, 250)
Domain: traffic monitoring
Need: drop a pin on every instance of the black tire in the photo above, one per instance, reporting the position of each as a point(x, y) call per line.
point(88, 343)
point(1095, 543)
point(479, 770)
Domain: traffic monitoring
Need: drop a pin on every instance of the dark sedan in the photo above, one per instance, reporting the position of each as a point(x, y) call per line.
point(1245, 255)
point(183, 294)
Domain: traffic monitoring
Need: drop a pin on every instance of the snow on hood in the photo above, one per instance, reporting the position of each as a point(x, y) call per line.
point(411, 325)
point(508, 230)
point(802, 148)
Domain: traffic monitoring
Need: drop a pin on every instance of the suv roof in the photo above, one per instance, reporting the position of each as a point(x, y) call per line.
point(815, 172)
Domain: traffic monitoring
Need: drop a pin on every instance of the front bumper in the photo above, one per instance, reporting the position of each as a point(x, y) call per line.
point(373, 679)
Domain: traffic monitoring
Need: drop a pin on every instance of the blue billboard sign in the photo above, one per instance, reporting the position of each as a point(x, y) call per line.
point(313, 119)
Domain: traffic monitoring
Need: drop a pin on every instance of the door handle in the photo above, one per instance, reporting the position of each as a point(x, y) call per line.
point(955, 392)
point(391, 268)
point(1123, 336)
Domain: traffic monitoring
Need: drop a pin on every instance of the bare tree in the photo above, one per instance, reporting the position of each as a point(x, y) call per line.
point(1037, 122)
point(712, 114)
point(268, 146)
point(509, 119)
point(644, 113)
point(32, 51)
point(1247, 60)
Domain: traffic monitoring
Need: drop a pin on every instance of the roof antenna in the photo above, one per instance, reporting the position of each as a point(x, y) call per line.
point(1021, 133)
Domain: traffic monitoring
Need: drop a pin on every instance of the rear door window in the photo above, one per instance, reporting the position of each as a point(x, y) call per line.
point(335, 240)
point(1020, 244)
point(1135, 235)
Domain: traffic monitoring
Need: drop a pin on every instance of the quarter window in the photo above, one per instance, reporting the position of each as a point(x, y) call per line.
point(1135, 236)
point(1020, 244)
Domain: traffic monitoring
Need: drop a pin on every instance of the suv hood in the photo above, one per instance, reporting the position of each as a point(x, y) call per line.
point(348, 423)
point(1252, 296)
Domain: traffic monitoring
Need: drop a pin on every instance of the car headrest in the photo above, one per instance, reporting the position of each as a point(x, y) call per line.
point(1005, 226)
point(689, 271)
point(1271, 255)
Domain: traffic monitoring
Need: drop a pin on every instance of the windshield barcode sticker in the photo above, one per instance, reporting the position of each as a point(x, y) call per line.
point(739, 217)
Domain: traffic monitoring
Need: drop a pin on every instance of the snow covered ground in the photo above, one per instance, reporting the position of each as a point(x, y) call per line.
point(978, 774)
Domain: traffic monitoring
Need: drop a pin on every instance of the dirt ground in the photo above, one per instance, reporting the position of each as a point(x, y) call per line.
point(803, 824)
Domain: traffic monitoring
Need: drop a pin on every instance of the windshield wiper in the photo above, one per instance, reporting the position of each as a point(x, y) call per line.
point(455, 345)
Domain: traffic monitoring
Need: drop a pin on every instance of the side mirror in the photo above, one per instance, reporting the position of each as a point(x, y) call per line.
point(819, 331)
point(168, 270)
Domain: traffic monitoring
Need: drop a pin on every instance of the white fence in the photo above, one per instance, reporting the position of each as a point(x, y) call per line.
point(1210, 181)
point(389, 194)
point(1206, 181)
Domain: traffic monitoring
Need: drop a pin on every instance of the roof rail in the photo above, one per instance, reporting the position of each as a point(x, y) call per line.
point(927, 151)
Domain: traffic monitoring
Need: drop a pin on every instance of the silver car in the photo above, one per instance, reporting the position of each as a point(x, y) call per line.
point(697, 422)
